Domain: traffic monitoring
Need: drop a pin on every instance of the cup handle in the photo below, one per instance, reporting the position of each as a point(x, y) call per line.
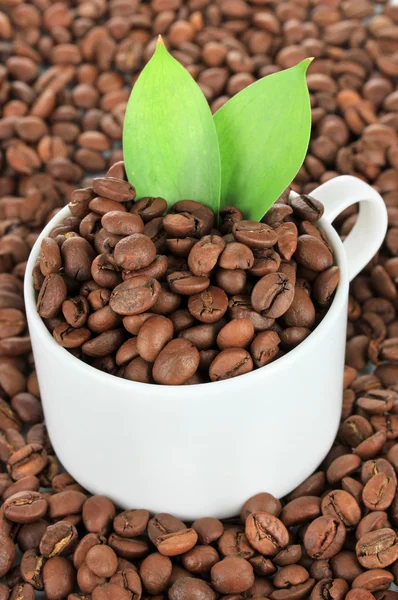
point(369, 231)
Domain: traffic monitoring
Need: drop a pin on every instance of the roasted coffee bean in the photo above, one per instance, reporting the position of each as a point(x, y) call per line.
point(254, 235)
point(324, 537)
point(233, 542)
point(50, 257)
point(77, 256)
point(52, 294)
point(377, 549)
point(200, 559)
point(68, 502)
point(232, 575)
point(154, 334)
point(121, 223)
point(134, 296)
point(265, 347)
point(203, 336)
point(208, 529)
point(113, 188)
point(7, 554)
point(25, 507)
point(98, 514)
point(155, 572)
point(102, 561)
point(32, 569)
point(59, 578)
point(131, 523)
point(236, 256)
point(235, 334)
point(188, 587)
point(313, 253)
point(75, 311)
point(170, 535)
point(300, 510)
point(343, 506)
point(230, 362)
point(208, 306)
point(185, 283)
point(306, 207)
point(204, 254)
point(149, 208)
point(29, 460)
point(266, 533)
point(379, 492)
point(176, 363)
point(127, 579)
point(262, 502)
point(272, 295)
point(134, 252)
point(130, 549)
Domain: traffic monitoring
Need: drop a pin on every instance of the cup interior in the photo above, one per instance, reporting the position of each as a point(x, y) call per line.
point(38, 328)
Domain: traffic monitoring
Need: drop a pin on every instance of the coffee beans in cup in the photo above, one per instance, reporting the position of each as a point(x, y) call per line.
point(170, 297)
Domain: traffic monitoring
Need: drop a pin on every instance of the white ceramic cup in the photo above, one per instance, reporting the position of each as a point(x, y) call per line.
point(204, 449)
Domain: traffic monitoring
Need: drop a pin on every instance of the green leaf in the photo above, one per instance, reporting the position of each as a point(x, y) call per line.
point(263, 134)
point(169, 139)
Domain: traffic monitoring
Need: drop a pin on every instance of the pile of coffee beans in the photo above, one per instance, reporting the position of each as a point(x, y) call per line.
point(66, 73)
point(171, 299)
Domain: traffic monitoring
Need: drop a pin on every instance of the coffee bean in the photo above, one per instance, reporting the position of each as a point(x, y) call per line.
point(134, 296)
point(77, 255)
point(236, 256)
point(59, 578)
point(58, 539)
point(113, 188)
point(232, 575)
point(313, 254)
point(52, 294)
point(25, 507)
point(379, 491)
point(127, 579)
point(68, 502)
point(230, 362)
point(32, 569)
point(324, 537)
point(154, 334)
point(377, 549)
point(300, 510)
point(155, 571)
point(185, 283)
point(204, 254)
point(29, 460)
point(176, 362)
point(272, 295)
point(208, 529)
point(235, 334)
point(233, 542)
point(254, 235)
point(149, 208)
point(306, 207)
point(266, 533)
point(187, 587)
point(7, 554)
point(102, 561)
point(135, 252)
point(208, 306)
point(130, 549)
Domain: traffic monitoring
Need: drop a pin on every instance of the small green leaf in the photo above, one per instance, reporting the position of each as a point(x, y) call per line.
point(263, 134)
point(169, 138)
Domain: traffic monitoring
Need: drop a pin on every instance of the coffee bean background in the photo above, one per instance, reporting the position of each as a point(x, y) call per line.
point(65, 75)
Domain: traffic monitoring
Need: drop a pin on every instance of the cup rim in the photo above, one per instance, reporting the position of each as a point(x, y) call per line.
point(126, 385)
